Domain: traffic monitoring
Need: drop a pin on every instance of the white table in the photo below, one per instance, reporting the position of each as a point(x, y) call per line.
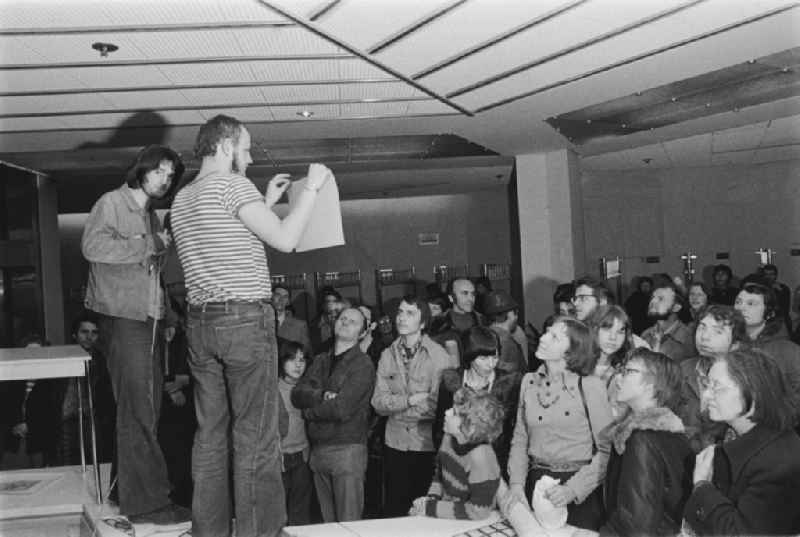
point(58, 361)
point(407, 527)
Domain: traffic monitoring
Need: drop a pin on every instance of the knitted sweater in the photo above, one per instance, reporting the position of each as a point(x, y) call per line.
point(465, 481)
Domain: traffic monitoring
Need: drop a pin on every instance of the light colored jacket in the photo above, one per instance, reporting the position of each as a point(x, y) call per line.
point(409, 428)
point(119, 244)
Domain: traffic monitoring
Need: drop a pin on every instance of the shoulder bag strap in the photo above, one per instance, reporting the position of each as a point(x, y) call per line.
point(586, 410)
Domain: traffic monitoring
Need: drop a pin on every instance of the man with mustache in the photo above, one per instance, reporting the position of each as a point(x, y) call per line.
point(221, 222)
point(125, 245)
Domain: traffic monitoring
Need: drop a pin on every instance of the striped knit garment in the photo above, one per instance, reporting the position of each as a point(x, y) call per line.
point(221, 259)
point(465, 482)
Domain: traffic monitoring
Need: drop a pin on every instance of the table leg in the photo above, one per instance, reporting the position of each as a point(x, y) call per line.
point(80, 424)
point(92, 425)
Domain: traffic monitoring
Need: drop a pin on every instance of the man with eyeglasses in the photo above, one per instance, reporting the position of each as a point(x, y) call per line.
point(589, 294)
point(720, 330)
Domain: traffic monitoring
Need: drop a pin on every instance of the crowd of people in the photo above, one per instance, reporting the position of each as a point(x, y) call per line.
point(675, 413)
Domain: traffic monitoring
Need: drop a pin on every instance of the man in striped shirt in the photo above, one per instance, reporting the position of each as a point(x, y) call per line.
point(220, 222)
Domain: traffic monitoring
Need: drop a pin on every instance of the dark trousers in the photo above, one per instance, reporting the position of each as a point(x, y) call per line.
point(589, 514)
point(339, 480)
point(136, 378)
point(299, 487)
point(176, 435)
point(233, 358)
point(408, 476)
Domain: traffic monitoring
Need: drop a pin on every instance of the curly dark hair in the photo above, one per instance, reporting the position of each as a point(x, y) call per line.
point(481, 415)
point(478, 341)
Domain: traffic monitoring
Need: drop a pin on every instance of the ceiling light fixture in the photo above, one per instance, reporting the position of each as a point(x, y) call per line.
point(104, 48)
point(305, 113)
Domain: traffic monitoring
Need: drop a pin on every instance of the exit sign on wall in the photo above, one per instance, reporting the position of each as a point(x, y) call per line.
point(428, 239)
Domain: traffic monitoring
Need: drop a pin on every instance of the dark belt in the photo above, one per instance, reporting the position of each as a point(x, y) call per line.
point(290, 460)
point(561, 466)
point(228, 305)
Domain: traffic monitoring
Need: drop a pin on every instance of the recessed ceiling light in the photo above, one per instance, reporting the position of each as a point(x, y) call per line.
point(104, 48)
point(305, 113)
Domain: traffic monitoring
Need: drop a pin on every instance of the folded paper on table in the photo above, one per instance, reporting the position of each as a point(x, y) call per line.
point(324, 228)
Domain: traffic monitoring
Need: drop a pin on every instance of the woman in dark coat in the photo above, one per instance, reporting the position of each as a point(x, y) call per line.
point(750, 484)
point(479, 371)
point(648, 479)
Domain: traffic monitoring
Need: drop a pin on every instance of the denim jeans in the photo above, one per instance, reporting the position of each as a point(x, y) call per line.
point(299, 486)
point(339, 472)
point(233, 359)
point(136, 378)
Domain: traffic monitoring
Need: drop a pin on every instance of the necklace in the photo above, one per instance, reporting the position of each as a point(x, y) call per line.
point(549, 399)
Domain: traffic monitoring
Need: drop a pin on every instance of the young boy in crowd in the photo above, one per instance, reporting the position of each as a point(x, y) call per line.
point(467, 474)
point(297, 479)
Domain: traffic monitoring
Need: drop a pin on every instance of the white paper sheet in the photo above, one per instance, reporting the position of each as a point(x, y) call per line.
point(324, 228)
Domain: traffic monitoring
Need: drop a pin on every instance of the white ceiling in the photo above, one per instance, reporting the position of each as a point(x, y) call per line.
point(355, 64)
point(765, 141)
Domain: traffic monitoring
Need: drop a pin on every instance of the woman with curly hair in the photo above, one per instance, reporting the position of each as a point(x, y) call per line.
point(467, 475)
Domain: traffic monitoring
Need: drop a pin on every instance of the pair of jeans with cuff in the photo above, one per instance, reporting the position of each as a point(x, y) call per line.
point(137, 381)
point(233, 359)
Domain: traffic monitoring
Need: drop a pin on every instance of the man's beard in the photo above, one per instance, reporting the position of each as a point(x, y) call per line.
point(655, 316)
point(237, 167)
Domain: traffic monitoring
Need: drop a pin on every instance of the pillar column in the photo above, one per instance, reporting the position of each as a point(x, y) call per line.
point(547, 219)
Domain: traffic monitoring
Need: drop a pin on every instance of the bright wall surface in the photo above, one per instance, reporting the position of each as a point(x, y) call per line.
point(711, 210)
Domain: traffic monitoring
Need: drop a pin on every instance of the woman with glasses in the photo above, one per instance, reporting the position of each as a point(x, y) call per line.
point(750, 484)
point(562, 408)
point(648, 479)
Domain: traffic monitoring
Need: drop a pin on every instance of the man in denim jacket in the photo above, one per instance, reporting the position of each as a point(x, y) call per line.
point(125, 246)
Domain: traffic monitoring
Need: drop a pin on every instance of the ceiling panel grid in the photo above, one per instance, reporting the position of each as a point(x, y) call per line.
point(389, 90)
point(299, 94)
point(153, 100)
point(551, 37)
point(622, 49)
point(290, 113)
point(279, 41)
point(457, 31)
point(208, 73)
point(747, 137)
point(30, 124)
point(15, 50)
point(246, 115)
point(51, 104)
point(155, 12)
point(362, 23)
point(782, 131)
point(358, 68)
point(25, 81)
point(17, 14)
point(73, 48)
point(195, 44)
point(208, 97)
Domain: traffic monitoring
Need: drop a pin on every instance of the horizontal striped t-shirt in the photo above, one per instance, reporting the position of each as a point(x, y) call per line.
point(221, 258)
